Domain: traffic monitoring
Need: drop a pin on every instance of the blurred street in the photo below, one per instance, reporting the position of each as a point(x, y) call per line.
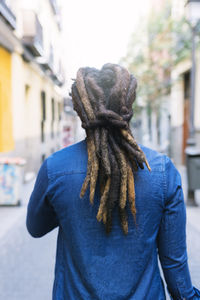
point(27, 264)
point(193, 232)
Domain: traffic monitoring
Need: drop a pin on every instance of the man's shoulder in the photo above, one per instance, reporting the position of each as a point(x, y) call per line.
point(73, 159)
point(70, 150)
point(68, 160)
point(155, 159)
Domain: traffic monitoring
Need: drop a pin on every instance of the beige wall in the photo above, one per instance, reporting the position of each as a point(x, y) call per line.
point(177, 93)
point(27, 103)
point(27, 84)
point(51, 33)
point(178, 11)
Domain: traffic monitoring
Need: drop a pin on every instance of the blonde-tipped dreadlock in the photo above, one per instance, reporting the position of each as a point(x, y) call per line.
point(103, 100)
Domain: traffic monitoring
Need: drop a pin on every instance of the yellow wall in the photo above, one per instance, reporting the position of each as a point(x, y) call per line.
point(6, 132)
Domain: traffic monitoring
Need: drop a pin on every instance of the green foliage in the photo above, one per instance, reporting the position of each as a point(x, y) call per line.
point(154, 50)
point(181, 48)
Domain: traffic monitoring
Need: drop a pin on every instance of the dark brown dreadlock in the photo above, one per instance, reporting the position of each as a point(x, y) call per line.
point(103, 100)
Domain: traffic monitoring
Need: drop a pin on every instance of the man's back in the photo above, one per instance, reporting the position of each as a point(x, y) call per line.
point(91, 264)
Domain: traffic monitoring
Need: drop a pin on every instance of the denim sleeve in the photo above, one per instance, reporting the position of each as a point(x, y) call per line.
point(172, 238)
point(41, 217)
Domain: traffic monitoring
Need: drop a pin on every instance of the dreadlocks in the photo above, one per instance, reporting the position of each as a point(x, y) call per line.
point(103, 100)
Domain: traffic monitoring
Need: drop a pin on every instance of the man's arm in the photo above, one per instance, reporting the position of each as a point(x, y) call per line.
point(172, 238)
point(41, 217)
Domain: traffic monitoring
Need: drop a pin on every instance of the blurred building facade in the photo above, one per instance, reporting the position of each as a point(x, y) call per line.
point(180, 95)
point(152, 123)
point(178, 100)
point(31, 79)
point(163, 70)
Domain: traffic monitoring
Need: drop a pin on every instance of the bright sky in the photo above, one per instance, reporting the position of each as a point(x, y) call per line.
point(98, 31)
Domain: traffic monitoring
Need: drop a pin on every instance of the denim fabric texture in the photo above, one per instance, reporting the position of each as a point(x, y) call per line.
point(91, 265)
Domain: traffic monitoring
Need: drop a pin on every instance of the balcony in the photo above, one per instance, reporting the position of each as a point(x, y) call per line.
point(7, 14)
point(56, 10)
point(59, 76)
point(58, 79)
point(45, 65)
point(49, 66)
point(46, 62)
point(32, 33)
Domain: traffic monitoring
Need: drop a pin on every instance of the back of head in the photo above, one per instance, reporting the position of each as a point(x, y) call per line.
point(103, 100)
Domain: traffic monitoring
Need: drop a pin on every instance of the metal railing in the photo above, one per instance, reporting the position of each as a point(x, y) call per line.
point(54, 6)
point(7, 14)
point(32, 33)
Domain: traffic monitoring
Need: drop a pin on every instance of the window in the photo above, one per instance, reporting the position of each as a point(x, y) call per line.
point(43, 115)
point(27, 91)
point(186, 78)
point(59, 111)
point(42, 132)
point(53, 109)
point(52, 117)
point(43, 105)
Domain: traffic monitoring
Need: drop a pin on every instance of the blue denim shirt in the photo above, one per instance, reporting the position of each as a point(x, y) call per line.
point(92, 265)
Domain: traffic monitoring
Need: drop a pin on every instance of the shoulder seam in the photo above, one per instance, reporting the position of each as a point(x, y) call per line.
point(60, 174)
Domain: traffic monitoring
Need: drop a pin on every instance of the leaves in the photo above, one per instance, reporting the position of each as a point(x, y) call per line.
point(154, 50)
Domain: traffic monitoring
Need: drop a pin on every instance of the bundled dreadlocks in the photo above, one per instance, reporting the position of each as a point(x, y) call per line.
point(103, 100)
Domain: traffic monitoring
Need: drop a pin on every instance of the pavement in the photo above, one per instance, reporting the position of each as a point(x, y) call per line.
point(193, 213)
point(10, 215)
point(27, 266)
point(193, 231)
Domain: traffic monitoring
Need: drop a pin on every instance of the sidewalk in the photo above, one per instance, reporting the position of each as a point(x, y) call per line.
point(193, 213)
point(10, 215)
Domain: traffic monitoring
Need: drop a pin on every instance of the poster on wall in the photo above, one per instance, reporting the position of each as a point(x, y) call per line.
point(11, 180)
